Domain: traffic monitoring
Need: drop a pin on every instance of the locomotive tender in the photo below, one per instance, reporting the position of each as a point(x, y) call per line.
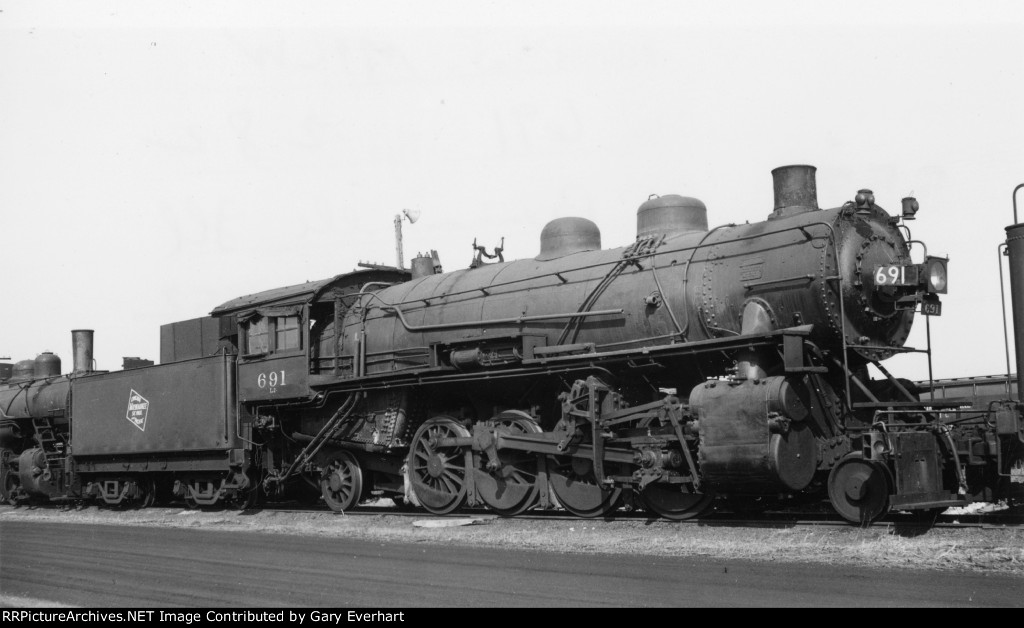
point(690, 365)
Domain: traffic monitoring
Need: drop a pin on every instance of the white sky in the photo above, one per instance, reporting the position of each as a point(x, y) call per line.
point(158, 159)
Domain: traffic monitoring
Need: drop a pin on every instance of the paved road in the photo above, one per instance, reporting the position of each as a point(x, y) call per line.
point(95, 565)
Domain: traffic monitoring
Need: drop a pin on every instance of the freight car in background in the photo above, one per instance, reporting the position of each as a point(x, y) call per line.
point(976, 392)
point(690, 365)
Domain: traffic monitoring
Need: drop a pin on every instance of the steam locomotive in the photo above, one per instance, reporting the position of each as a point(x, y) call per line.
point(690, 367)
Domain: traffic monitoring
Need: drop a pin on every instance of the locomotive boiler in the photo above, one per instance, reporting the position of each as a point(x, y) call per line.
point(690, 365)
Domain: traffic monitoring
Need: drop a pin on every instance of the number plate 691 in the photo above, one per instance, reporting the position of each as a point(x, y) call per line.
point(894, 275)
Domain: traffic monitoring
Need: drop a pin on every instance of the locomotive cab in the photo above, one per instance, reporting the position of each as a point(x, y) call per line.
point(272, 342)
point(287, 334)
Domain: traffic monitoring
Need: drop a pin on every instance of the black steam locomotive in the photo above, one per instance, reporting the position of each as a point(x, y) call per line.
point(693, 364)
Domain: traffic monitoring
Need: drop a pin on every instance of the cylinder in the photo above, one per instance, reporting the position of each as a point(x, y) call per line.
point(1015, 251)
point(46, 365)
point(753, 438)
point(671, 215)
point(81, 341)
point(10, 436)
point(35, 475)
point(796, 191)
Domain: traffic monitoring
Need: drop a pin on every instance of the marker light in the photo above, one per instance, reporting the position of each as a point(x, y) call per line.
point(936, 278)
point(910, 207)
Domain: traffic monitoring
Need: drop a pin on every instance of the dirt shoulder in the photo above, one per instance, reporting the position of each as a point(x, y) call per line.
point(989, 549)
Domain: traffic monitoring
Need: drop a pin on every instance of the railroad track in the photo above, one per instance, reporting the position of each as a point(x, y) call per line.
point(999, 519)
point(769, 519)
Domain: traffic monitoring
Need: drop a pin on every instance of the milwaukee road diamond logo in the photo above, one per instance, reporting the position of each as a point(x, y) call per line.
point(138, 409)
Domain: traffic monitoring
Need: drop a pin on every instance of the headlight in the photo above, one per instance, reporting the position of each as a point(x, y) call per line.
point(935, 275)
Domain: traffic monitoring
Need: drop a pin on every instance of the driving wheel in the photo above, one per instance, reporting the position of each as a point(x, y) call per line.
point(511, 488)
point(576, 488)
point(675, 501)
point(438, 471)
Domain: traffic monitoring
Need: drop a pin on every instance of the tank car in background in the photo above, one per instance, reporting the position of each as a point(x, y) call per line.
point(688, 366)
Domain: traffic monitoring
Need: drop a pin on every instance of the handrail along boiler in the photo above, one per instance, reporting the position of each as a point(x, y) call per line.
point(690, 365)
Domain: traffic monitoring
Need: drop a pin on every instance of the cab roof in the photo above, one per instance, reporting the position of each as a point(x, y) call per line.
point(303, 293)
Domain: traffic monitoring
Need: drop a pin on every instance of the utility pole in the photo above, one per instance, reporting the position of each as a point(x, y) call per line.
point(412, 215)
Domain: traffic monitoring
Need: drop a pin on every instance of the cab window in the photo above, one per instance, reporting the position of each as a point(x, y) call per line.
point(286, 333)
point(270, 334)
point(257, 338)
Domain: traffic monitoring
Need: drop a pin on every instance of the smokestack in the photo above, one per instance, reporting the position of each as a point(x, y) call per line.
point(81, 342)
point(796, 191)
